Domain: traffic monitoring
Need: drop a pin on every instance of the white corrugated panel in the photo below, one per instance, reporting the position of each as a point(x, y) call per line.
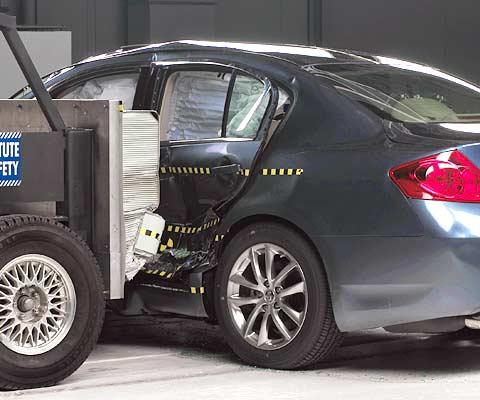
point(141, 183)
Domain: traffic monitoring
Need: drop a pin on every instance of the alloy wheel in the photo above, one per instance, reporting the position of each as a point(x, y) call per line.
point(267, 296)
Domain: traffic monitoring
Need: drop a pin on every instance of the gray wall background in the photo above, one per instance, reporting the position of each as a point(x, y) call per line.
point(444, 33)
point(49, 50)
point(440, 32)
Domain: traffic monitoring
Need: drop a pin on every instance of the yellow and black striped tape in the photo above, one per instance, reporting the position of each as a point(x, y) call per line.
point(197, 290)
point(281, 171)
point(218, 238)
point(243, 172)
point(163, 274)
point(168, 245)
point(192, 229)
point(275, 172)
point(186, 170)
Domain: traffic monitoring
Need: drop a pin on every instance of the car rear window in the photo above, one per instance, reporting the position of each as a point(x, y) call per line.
point(404, 91)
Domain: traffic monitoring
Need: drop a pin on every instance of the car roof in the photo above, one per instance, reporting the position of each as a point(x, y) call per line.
point(300, 55)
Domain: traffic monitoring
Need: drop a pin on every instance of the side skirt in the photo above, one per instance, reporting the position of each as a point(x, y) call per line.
point(152, 295)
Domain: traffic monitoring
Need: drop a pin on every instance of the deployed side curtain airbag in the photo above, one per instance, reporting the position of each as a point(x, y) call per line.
point(248, 105)
point(116, 87)
point(197, 105)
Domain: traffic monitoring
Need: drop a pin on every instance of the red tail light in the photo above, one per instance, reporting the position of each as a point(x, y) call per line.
point(448, 176)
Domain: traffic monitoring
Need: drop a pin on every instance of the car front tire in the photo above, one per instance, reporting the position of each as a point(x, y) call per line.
point(273, 301)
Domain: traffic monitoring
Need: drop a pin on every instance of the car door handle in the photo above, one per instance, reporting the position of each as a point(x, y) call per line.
point(226, 169)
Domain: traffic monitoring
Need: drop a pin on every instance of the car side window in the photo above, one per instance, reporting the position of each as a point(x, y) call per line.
point(113, 87)
point(193, 105)
point(249, 102)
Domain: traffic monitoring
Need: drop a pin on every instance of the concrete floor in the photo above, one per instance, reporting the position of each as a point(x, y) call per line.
point(145, 359)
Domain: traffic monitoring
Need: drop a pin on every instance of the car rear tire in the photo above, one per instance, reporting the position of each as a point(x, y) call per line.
point(51, 302)
point(280, 316)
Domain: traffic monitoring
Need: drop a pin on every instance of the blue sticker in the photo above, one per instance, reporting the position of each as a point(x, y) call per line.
point(10, 159)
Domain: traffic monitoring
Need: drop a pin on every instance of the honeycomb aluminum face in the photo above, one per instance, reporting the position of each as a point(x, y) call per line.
point(141, 182)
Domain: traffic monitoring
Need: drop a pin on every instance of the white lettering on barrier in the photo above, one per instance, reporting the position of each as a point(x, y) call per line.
point(9, 149)
point(8, 168)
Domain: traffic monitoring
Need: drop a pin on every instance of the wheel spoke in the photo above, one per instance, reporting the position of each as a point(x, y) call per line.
point(59, 301)
point(35, 336)
point(269, 256)
point(280, 325)
point(251, 320)
point(256, 267)
point(16, 335)
point(6, 298)
point(25, 336)
point(4, 307)
point(56, 291)
point(48, 279)
point(59, 313)
point(294, 289)
point(240, 280)
point(54, 283)
point(42, 336)
point(295, 316)
point(243, 301)
point(5, 287)
point(285, 272)
point(41, 273)
point(7, 324)
point(263, 333)
point(21, 274)
point(52, 323)
point(17, 281)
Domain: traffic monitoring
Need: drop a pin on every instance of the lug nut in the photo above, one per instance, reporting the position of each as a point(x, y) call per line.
point(276, 305)
point(278, 289)
point(266, 284)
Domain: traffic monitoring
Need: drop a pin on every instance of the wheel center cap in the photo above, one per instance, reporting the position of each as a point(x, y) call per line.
point(269, 297)
point(25, 304)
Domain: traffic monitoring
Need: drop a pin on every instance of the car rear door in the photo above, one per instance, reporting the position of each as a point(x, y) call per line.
point(213, 119)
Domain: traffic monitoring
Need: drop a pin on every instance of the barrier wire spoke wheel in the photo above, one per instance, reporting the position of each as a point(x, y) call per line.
point(272, 299)
point(37, 304)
